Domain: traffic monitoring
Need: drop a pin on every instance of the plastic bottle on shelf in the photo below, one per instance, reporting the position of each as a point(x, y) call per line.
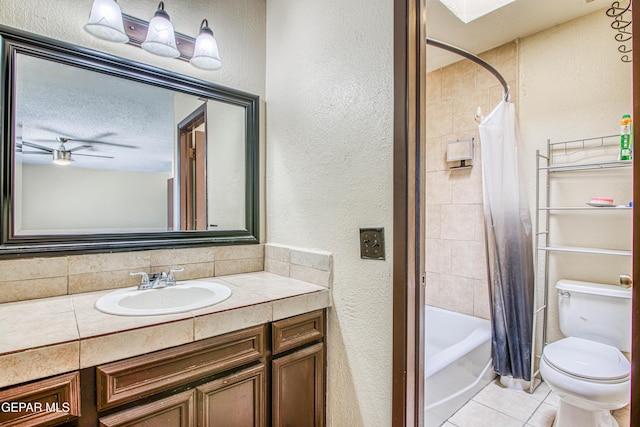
point(626, 148)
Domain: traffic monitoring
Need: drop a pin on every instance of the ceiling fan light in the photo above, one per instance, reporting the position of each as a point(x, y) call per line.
point(205, 54)
point(61, 158)
point(105, 21)
point(161, 39)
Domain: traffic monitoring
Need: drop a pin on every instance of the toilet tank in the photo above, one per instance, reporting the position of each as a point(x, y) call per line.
point(596, 312)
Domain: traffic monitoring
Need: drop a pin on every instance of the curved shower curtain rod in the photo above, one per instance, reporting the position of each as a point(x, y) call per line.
point(474, 58)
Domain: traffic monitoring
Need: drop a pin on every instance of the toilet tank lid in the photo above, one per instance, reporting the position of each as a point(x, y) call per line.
point(594, 288)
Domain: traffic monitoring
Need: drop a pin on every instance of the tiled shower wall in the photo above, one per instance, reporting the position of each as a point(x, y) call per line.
point(456, 262)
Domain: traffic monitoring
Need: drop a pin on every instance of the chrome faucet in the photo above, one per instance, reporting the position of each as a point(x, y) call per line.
point(157, 280)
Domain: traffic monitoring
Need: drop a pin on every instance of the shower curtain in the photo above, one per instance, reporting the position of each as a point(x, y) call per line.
point(509, 244)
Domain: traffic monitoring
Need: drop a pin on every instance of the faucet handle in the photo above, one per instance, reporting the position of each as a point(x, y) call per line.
point(174, 270)
point(144, 280)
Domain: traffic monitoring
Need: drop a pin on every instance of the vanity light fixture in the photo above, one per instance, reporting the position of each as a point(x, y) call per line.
point(105, 21)
point(157, 36)
point(161, 39)
point(206, 55)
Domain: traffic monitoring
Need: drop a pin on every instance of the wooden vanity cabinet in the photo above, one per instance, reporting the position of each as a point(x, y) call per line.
point(187, 385)
point(268, 375)
point(298, 371)
point(131, 379)
point(150, 388)
point(237, 399)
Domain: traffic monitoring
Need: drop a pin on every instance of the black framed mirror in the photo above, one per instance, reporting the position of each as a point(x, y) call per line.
point(102, 154)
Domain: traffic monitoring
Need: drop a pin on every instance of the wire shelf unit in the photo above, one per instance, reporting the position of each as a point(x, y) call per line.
point(583, 155)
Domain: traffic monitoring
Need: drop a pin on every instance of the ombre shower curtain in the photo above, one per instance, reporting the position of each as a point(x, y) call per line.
point(509, 244)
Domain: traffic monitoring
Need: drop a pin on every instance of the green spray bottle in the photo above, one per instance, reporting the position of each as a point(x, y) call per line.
point(626, 142)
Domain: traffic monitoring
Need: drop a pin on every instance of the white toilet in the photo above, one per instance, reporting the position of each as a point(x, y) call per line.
point(587, 369)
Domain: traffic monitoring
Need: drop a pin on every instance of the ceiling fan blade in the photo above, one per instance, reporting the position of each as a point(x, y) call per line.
point(48, 129)
point(93, 140)
point(80, 147)
point(103, 135)
point(61, 132)
point(92, 155)
point(39, 147)
point(90, 141)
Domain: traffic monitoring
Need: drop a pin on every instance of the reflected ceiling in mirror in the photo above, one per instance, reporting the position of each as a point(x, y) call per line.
point(101, 151)
point(114, 120)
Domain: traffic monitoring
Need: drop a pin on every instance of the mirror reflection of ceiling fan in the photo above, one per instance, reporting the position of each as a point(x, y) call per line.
point(62, 155)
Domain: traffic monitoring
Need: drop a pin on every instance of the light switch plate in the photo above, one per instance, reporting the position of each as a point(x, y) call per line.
point(372, 243)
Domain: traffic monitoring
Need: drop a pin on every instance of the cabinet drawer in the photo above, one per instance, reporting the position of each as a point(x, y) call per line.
point(41, 403)
point(174, 411)
point(296, 331)
point(131, 379)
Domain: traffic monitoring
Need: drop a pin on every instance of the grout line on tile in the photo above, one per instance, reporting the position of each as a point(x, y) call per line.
point(534, 412)
point(500, 411)
point(496, 409)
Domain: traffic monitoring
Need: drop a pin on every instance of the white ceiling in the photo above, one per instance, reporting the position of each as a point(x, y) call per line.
point(515, 20)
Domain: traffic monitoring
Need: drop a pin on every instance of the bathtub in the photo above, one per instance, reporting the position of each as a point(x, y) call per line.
point(457, 362)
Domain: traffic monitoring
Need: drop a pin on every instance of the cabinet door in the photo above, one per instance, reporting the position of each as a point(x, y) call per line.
point(237, 400)
point(173, 411)
point(298, 388)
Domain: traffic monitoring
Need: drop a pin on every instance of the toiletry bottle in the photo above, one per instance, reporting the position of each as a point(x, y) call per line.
point(625, 138)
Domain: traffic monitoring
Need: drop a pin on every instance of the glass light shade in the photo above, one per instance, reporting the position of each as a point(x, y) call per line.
point(205, 54)
point(105, 21)
point(161, 39)
point(62, 158)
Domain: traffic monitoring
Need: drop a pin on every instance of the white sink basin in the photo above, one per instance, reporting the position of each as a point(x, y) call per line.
point(184, 296)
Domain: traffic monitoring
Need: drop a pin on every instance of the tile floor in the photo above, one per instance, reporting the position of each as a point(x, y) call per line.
point(498, 406)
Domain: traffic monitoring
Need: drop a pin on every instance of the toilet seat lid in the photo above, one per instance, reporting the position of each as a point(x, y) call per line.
point(586, 359)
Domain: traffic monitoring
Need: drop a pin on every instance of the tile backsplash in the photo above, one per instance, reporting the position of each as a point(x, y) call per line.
point(32, 278)
point(310, 265)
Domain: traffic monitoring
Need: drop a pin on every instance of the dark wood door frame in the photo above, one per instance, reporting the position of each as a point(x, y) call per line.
point(192, 164)
point(635, 341)
point(408, 212)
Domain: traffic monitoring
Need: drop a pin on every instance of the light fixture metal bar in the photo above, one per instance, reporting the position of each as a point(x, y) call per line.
point(136, 29)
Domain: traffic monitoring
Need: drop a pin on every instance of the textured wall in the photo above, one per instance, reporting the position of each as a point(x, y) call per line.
point(329, 97)
point(456, 262)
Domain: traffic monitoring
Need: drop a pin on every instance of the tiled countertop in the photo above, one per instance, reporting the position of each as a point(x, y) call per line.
point(49, 336)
